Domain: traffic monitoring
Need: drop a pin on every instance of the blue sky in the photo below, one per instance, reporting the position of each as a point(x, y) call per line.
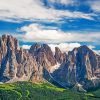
point(74, 22)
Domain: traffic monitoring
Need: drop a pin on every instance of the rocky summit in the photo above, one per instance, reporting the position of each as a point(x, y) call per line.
point(77, 68)
point(43, 54)
point(81, 66)
point(16, 64)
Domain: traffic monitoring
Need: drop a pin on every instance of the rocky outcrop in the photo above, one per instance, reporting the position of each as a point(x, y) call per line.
point(16, 64)
point(43, 54)
point(47, 59)
point(78, 69)
point(81, 65)
point(59, 56)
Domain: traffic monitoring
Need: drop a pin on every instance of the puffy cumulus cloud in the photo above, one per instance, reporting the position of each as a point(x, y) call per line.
point(38, 33)
point(26, 46)
point(18, 10)
point(35, 32)
point(64, 47)
point(95, 5)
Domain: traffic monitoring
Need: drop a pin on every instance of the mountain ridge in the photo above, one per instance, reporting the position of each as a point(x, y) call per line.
point(81, 65)
point(16, 63)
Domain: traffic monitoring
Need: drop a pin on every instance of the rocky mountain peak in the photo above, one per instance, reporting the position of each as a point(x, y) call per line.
point(10, 40)
point(59, 56)
point(81, 65)
point(43, 54)
point(16, 64)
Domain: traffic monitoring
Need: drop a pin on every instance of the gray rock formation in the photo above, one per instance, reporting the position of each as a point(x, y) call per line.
point(59, 56)
point(16, 64)
point(81, 65)
point(43, 54)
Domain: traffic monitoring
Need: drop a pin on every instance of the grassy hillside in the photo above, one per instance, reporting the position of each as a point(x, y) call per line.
point(44, 91)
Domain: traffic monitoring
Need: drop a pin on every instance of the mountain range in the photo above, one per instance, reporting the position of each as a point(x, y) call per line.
point(79, 68)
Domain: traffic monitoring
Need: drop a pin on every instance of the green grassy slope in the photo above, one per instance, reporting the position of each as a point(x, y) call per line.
point(44, 91)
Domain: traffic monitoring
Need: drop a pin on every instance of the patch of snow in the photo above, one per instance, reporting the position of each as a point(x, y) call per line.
point(79, 85)
point(53, 68)
point(94, 78)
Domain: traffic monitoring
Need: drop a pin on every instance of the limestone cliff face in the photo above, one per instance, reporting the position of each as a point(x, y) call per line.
point(16, 64)
point(59, 56)
point(81, 65)
point(43, 54)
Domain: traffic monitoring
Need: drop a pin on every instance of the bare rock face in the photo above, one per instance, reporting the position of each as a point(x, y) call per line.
point(81, 65)
point(16, 64)
point(59, 56)
point(43, 54)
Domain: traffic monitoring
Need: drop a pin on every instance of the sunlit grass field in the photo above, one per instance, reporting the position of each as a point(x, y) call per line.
point(43, 91)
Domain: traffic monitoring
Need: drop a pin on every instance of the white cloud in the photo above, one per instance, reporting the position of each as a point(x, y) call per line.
point(66, 2)
point(17, 10)
point(97, 51)
point(26, 46)
point(34, 32)
point(91, 46)
point(64, 47)
point(95, 5)
point(38, 33)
